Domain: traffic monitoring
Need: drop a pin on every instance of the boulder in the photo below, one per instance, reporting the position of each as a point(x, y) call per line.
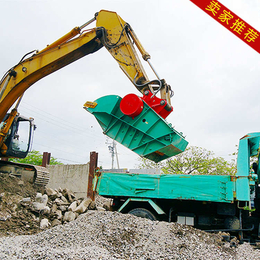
point(58, 201)
point(92, 205)
point(83, 206)
point(51, 193)
point(38, 197)
point(55, 222)
point(20, 183)
point(37, 206)
point(54, 208)
point(64, 199)
point(45, 211)
point(73, 206)
point(63, 208)
point(69, 216)
point(43, 199)
point(107, 205)
point(100, 209)
point(69, 195)
point(44, 223)
point(26, 200)
point(4, 215)
point(58, 214)
point(59, 194)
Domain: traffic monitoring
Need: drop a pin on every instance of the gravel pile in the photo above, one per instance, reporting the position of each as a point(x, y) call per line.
point(111, 235)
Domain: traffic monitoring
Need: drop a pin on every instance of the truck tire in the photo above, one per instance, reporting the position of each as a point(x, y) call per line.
point(232, 223)
point(143, 213)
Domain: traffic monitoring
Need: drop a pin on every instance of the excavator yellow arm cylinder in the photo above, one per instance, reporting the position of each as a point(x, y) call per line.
point(75, 31)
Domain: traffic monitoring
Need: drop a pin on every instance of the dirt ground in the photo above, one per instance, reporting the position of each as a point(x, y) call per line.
point(15, 219)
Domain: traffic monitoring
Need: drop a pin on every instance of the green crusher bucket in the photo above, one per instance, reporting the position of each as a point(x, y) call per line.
point(148, 134)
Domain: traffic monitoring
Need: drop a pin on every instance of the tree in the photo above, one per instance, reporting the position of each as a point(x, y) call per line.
point(194, 160)
point(35, 158)
point(148, 164)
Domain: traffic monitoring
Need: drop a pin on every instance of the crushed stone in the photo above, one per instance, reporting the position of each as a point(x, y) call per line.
point(112, 235)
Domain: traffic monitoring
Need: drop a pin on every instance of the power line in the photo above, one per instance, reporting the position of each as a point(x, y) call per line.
point(51, 148)
point(67, 160)
point(62, 141)
point(64, 124)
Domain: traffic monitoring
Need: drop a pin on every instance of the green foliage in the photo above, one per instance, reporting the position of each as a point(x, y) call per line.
point(34, 158)
point(194, 160)
point(147, 164)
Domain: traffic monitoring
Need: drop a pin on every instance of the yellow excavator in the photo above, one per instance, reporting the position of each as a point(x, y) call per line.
point(118, 38)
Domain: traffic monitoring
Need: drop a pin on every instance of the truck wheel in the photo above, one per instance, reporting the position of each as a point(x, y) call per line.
point(142, 213)
point(232, 223)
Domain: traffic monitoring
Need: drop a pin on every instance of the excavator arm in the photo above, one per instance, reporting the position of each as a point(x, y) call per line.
point(114, 34)
point(111, 31)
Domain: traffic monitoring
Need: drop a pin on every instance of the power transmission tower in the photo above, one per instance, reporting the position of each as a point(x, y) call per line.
point(112, 149)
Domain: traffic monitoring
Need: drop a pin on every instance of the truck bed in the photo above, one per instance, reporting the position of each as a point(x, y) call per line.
point(215, 188)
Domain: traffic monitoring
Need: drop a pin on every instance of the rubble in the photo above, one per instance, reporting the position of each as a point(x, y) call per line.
point(28, 209)
point(59, 207)
point(60, 226)
point(111, 235)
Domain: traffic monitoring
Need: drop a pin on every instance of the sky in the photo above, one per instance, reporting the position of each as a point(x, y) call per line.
point(214, 75)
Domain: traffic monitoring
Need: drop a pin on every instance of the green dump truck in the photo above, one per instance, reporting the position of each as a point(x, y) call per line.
point(209, 202)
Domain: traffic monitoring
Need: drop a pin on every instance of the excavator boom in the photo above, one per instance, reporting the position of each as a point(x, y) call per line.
point(117, 37)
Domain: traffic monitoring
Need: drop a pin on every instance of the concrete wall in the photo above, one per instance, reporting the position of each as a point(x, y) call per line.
point(72, 177)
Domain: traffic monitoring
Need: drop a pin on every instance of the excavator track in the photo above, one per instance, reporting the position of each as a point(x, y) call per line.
point(34, 174)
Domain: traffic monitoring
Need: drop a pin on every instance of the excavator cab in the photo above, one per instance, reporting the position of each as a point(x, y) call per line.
point(19, 137)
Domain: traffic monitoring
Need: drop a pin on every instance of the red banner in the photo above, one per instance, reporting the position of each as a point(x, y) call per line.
point(231, 21)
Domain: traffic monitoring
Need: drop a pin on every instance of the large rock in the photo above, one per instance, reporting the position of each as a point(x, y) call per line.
point(51, 193)
point(64, 199)
point(44, 223)
point(59, 201)
point(4, 215)
point(55, 222)
point(54, 208)
point(92, 205)
point(73, 206)
point(37, 206)
point(45, 211)
point(63, 208)
point(69, 195)
point(83, 206)
point(58, 214)
point(69, 216)
point(43, 199)
point(1, 196)
point(38, 198)
point(107, 205)
point(100, 209)
point(26, 200)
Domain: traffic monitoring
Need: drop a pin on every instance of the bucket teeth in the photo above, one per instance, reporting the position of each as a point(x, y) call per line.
point(90, 104)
